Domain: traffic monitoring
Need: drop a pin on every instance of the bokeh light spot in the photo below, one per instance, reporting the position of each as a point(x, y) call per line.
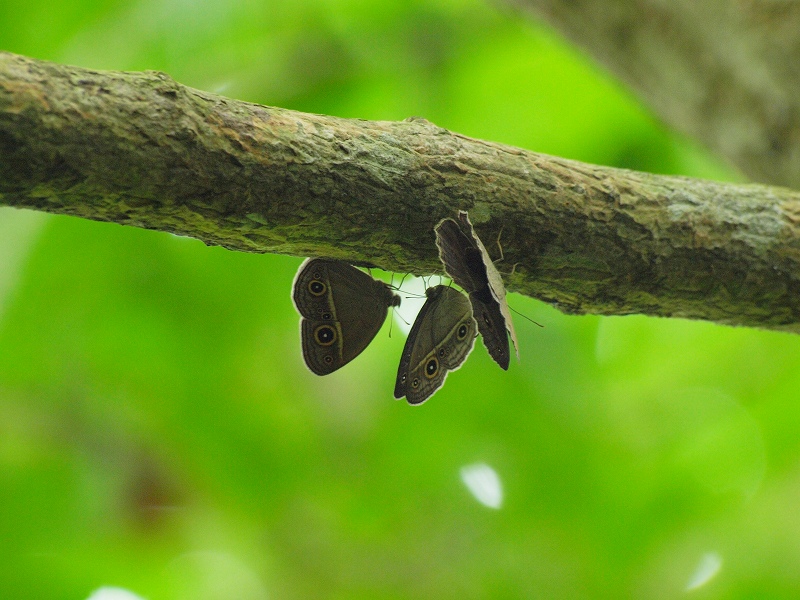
point(413, 297)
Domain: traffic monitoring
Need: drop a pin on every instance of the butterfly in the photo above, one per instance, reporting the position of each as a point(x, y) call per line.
point(342, 310)
point(466, 261)
point(440, 340)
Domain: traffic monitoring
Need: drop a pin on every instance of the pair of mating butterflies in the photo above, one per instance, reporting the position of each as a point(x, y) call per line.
point(343, 308)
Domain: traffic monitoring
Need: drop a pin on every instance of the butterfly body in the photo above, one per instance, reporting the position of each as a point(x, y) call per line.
point(440, 340)
point(343, 309)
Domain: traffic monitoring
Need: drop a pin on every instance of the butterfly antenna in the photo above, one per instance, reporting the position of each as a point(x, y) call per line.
point(526, 317)
point(414, 295)
point(401, 318)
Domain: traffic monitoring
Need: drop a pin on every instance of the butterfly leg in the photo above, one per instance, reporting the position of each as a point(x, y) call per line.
point(499, 246)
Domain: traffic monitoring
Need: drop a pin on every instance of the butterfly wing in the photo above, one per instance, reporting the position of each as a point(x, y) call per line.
point(460, 256)
point(343, 309)
point(440, 340)
point(491, 325)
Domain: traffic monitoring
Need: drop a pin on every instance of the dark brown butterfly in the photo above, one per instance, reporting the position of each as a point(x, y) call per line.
point(343, 309)
point(440, 340)
point(466, 261)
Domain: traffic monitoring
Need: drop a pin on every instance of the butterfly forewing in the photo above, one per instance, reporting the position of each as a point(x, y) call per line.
point(361, 305)
point(460, 256)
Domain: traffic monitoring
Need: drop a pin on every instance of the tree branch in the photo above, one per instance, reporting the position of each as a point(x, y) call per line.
point(724, 72)
point(139, 149)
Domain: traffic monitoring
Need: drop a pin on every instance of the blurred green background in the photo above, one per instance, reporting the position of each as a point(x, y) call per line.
point(160, 434)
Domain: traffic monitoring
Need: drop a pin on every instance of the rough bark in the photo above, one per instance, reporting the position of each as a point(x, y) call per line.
point(140, 149)
point(724, 72)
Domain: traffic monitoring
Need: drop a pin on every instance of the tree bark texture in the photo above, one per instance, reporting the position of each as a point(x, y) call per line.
point(724, 72)
point(140, 149)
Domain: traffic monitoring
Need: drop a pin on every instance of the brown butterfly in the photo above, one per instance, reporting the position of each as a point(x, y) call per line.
point(466, 261)
point(440, 340)
point(342, 310)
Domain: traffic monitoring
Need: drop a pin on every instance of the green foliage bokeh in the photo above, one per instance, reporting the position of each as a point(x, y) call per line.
point(159, 432)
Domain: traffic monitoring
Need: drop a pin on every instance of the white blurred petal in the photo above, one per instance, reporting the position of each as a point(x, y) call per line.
point(113, 593)
point(484, 483)
point(707, 569)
